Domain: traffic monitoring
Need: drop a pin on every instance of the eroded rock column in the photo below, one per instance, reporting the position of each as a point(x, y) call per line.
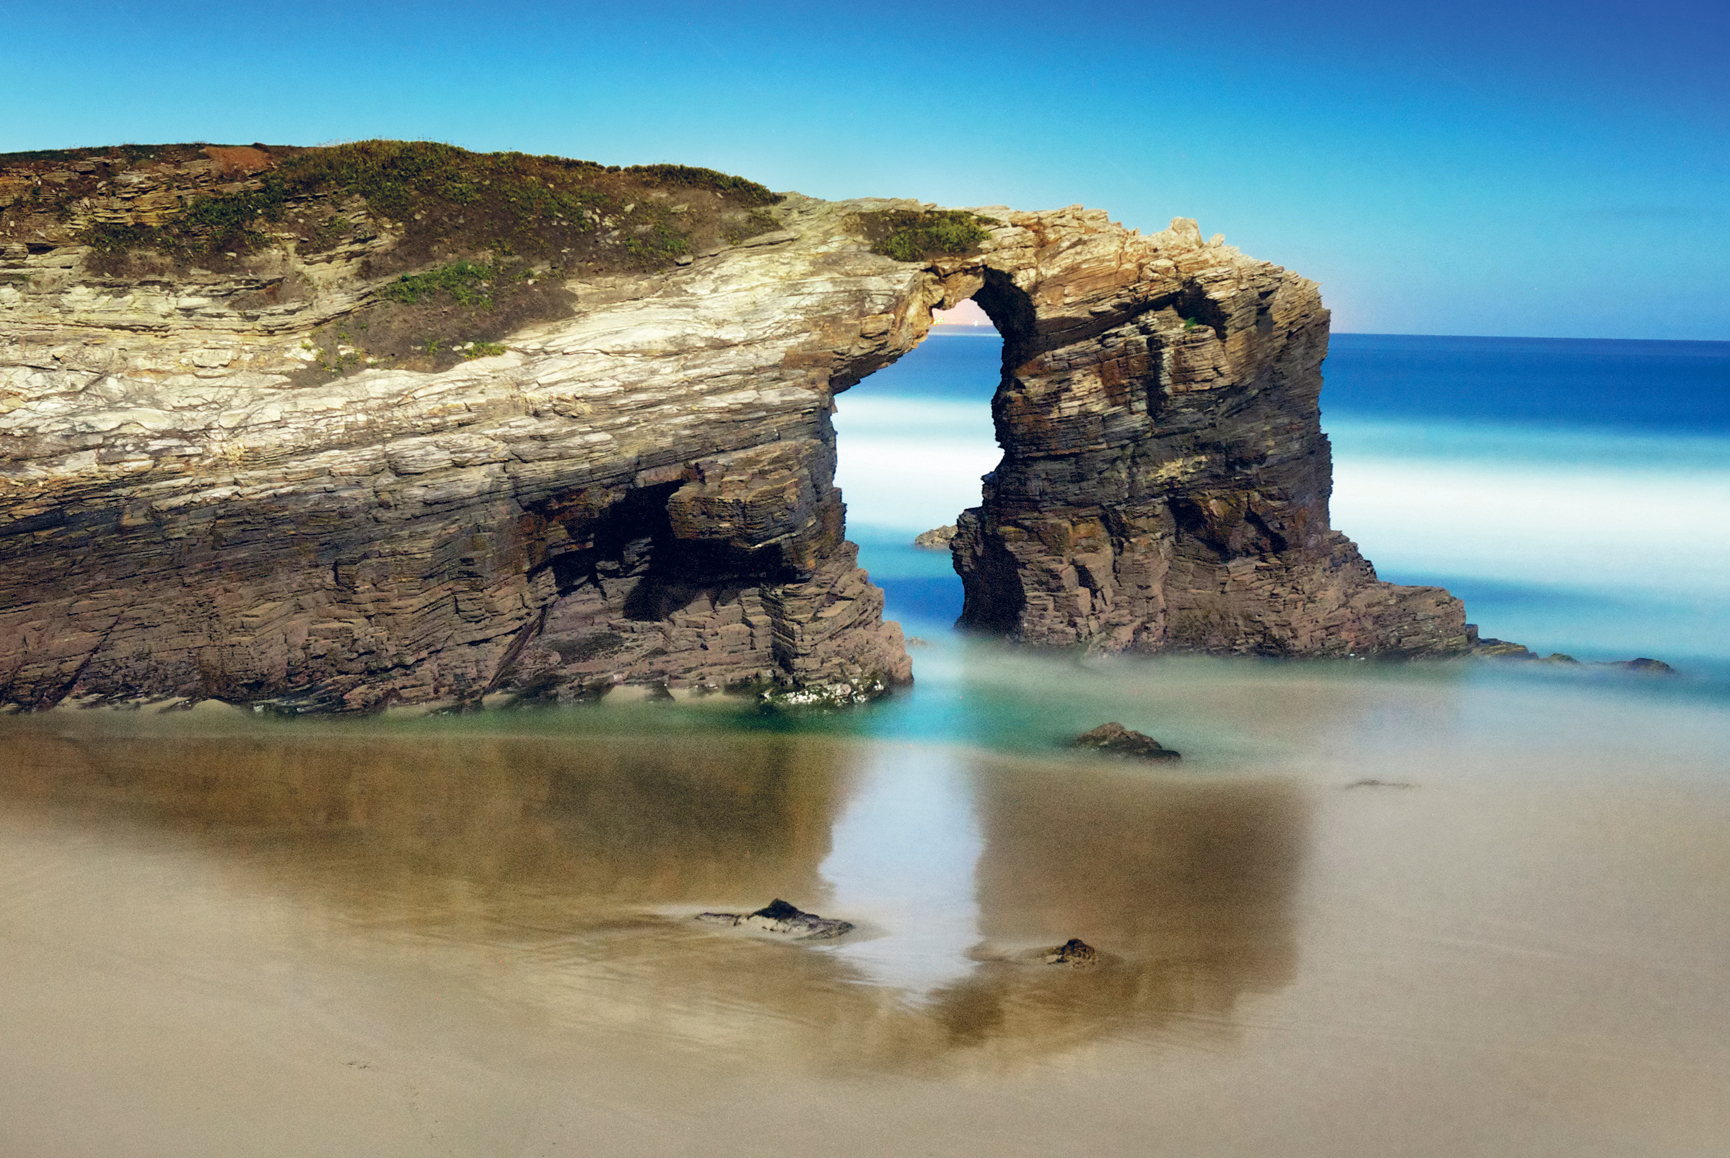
point(1165, 478)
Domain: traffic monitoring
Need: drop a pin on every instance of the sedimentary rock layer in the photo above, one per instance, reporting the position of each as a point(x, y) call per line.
point(201, 495)
point(1165, 478)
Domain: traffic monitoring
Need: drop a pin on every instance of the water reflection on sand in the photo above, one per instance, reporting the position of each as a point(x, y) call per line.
point(581, 862)
point(223, 935)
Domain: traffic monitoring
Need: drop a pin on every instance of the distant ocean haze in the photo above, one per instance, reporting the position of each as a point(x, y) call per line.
point(1575, 492)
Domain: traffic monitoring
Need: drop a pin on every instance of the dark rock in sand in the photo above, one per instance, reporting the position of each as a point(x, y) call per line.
point(780, 917)
point(1119, 740)
point(1074, 951)
point(1380, 784)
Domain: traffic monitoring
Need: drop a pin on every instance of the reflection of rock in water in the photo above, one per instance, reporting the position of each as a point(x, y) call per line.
point(530, 867)
point(1186, 887)
point(396, 818)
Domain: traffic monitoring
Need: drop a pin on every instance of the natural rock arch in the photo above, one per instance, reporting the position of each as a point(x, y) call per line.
point(640, 491)
point(1165, 478)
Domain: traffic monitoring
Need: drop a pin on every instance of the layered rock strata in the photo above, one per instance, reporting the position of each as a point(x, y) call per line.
point(640, 490)
point(1165, 478)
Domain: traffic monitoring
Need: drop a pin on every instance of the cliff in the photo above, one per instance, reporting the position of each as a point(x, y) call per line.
point(332, 429)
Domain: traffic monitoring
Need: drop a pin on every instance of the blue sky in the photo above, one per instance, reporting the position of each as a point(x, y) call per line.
point(1470, 168)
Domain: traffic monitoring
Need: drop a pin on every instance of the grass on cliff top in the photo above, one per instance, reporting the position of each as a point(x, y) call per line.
point(480, 244)
point(923, 235)
point(129, 154)
point(440, 196)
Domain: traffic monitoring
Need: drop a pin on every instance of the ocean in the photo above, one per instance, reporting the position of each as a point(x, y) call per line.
point(1428, 909)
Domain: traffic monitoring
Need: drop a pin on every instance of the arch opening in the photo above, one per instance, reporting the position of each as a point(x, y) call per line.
point(913, 442)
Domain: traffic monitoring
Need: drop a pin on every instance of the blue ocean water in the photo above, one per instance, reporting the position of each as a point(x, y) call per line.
point(1575, 493)
point(1618, 386)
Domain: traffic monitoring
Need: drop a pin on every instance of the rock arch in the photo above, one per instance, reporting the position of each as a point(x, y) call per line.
point(1165, 478)
point(641, 492)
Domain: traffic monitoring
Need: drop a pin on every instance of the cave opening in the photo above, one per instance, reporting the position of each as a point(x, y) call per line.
point(913, 441)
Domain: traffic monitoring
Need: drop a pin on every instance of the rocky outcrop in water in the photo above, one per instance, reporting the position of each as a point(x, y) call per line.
point(1165, 479)
point(300, 429)
point(1501, 649)
point(1121, 741)
point(936, 539)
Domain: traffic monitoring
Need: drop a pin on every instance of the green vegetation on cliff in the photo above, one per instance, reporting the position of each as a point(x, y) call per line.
point(478, 244)
point(440, 194)
point(922, 235)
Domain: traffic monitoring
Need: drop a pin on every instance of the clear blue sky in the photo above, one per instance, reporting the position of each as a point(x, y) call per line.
point(1556, 169)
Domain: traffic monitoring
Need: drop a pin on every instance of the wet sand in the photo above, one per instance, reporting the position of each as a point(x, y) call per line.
point(221, 936)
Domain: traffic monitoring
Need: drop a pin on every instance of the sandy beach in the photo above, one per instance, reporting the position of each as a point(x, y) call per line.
point(223, 937)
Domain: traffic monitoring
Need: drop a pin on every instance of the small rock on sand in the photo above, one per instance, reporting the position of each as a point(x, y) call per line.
point(780, 917)
point(1074, 951)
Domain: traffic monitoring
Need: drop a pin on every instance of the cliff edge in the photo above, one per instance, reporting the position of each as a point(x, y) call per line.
point(330, 429)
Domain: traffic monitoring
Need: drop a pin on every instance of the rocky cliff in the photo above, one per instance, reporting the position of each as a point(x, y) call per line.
point(334, 429)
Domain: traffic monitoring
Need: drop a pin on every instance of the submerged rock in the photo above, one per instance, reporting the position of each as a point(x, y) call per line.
point(1117, 739)
point(780, 917)
point(936, 539)
point(1075, 952)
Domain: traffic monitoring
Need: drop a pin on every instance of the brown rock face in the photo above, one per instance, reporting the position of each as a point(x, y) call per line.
point(1165, 479)
point(195, 501)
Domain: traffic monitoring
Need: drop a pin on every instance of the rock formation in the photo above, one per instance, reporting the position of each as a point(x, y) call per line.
point(1165, 479)
point(1121, 741)
point(233, 463)
point(1074, 952)
point(936, 539)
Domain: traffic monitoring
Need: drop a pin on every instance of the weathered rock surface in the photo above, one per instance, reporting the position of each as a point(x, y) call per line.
point(1165, 479)
point(936, 539)
point(1121, 741)
point(780, 917)
point(640, 490)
